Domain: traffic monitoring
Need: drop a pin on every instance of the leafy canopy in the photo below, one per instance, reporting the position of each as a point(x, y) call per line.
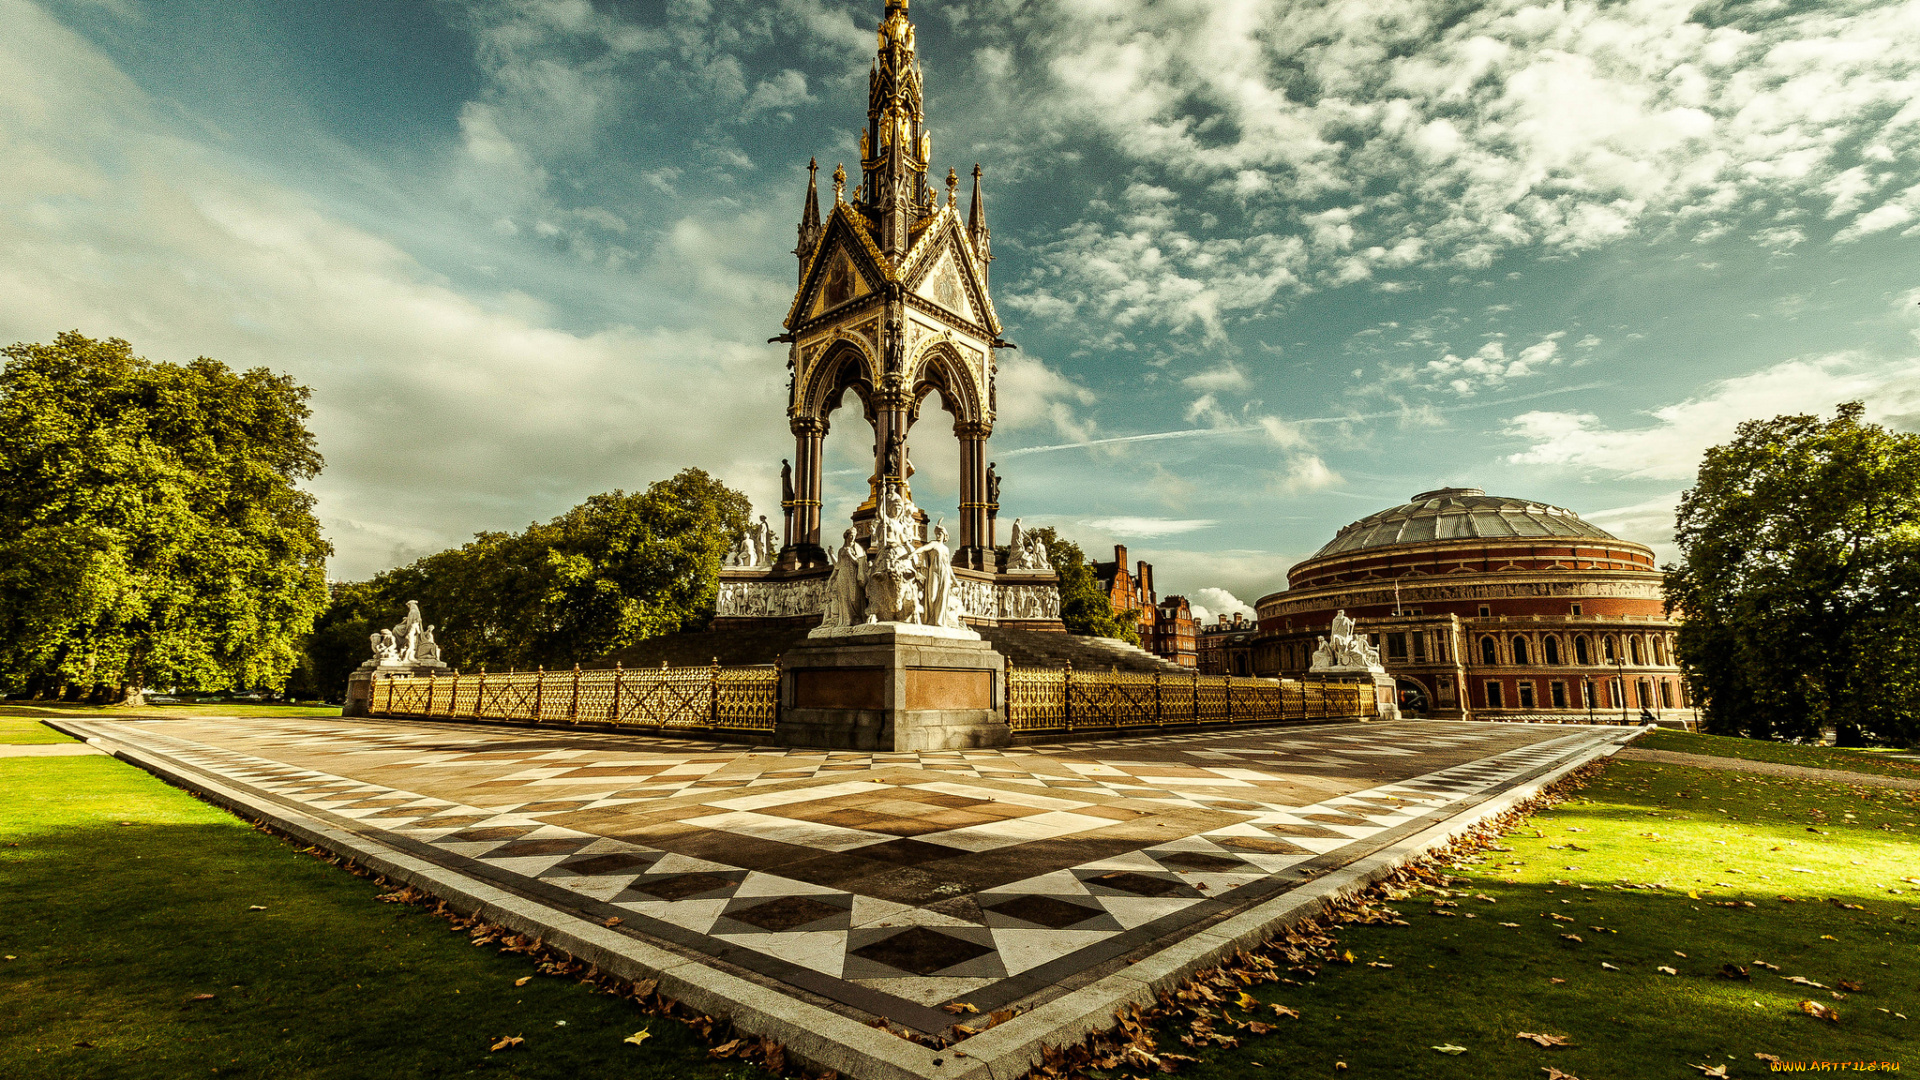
point(617, 569)
point(152, 532)
point(1801, 581)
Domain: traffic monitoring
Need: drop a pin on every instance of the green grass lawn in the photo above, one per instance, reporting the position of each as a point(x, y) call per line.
point(26, 731)
point(124, 899)
point(245, 709)
point(1813, 757)
point(1496, 962)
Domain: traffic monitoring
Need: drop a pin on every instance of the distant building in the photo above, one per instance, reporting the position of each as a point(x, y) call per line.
point(1173, 633)
point(1166, 628)
point(1226, 647)
point(1487, 607)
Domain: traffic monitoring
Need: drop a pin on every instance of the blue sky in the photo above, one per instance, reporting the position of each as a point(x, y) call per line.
point(1326, 254)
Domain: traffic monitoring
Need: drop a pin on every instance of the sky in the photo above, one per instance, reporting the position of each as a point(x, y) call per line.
point(1271, 266)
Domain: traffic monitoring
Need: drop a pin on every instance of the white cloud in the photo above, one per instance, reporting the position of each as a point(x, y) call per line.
point(1148, 528)
point(1671, 446)
point(1210, 603)
point(1227, 376)
point(1413, 132)
point(1649, 523)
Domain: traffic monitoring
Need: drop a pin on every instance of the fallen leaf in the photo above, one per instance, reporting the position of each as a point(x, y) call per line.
point(1849, 986)
point(998, 1017)
point(638, 1037)
point(1556, 1074)
point(1804, 981)
point(1828, 937)
point(11, 957)
point(1667, 970)
point(199, 997)
point(1711, 1070)
point(1574, 937)
point(1282, 1010)
point(1764, 964)
point(1768, 1058)
point(1449, 1048)
point(256, 907)
point(1554, 980)
point(1604, 966)
point(1509, 924)
point(1378, 964)
point(1544, 1040)
point(724, 1048)
point(958, 1007)
point(613, 922)
point(1734, 971)
point(1679, 954)
point(1820, 1012)
point(507, 1042)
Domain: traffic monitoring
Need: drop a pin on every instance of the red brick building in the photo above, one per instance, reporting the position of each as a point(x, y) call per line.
point(1487, 607)
point(1165, 627)
point(1173, 637)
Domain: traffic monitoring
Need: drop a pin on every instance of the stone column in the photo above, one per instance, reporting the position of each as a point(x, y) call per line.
point(973, 494)
point(808, 433)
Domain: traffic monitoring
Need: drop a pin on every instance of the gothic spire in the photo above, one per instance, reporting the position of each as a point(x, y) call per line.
point(977, 223)
point(895, 146)
point(809, 216)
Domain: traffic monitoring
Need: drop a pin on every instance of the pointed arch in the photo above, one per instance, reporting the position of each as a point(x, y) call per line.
point(940, 367)
point(846, 363)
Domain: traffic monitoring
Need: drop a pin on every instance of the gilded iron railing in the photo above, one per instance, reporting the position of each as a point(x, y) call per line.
point(1057, 700)
point(663, 698)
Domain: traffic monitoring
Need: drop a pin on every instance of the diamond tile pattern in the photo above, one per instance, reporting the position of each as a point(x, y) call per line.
point(901, 880)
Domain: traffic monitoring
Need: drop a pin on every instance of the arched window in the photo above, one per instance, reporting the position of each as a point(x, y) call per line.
point(1606, 648)
point(1659, 650)
point(1519, 650)
point(1551, 649)
point(1489, 652)
point(1580, 654)
point(1633, 644)
point(1666, 693)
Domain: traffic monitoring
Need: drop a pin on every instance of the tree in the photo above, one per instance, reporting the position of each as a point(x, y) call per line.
point(152, 532)
point(1801, 581)
point(1084, 608)
point(617, 569)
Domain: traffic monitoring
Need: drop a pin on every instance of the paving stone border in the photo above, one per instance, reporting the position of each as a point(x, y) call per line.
point(821, 1037)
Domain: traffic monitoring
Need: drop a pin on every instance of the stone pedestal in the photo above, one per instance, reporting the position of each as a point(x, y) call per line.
point(360, 683)
point(1386, 694)
point(893, 686)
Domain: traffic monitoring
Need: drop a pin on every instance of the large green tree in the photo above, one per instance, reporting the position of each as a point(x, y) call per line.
point(1084, 607)
point(614, 570)
point(152, 530)
point(1800, 587)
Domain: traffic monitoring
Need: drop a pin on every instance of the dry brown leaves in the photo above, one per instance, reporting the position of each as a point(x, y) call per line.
point(1551, 1042)
point(1819, 1011)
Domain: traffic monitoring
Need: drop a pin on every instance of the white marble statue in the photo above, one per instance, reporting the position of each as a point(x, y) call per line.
point(743, 553)
point(429, 650)
point(939, 599)
point(1037, 554)
point(406, 634)
point(893, 585)
point(768, 544)
point(1019, 554)
point(1344, 647)
point(1322, 656)
point(846, 585)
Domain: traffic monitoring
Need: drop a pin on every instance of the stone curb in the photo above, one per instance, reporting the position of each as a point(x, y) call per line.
point(817, 1037)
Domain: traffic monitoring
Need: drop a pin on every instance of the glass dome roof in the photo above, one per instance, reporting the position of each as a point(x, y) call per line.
point(1460, 514)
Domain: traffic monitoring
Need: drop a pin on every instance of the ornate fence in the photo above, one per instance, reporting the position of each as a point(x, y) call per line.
point(1049, 700)
point(1040, 701)
point(709, 698)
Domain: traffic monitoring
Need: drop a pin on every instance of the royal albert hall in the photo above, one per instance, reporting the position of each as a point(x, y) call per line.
point(1488, 607)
